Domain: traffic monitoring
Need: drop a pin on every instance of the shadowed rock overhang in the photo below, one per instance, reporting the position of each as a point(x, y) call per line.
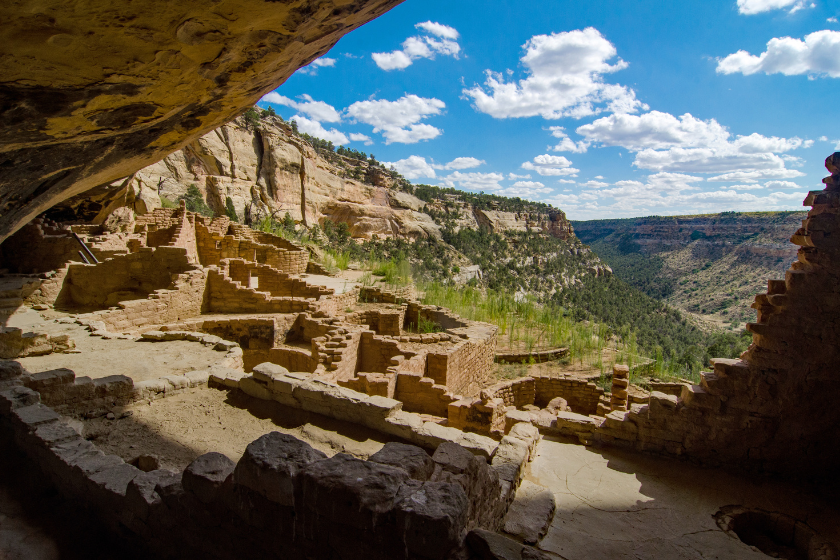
point(91, 92)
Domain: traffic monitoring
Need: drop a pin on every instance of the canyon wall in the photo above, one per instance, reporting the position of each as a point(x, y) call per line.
point(265, 168)
point(93, 91)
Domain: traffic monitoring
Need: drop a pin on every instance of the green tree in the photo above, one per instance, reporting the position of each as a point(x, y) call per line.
point(288, 222)
point(230, 211)
point(195, 201)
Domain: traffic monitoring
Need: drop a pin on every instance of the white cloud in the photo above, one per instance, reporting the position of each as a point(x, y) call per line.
point(424, 46)
point(514, 176)
point(399, 121)
point(357, 137)
point(565, 79)
point(655, 130)
point(566, 181)
point(317, 110)
point(566, 144)
point(686, 144)
point(594, 184)
point(412, 167)
point(525, 189)
point(752, 7)
point(743, 187)
point(461, 163)
point(824, 139)
point(443, 31)
point(488, 182)
point(669, 193)
point(832, 20)
point(314, 128)
point(817, 55)
point(312, 67)
point(755, 175)
point(548, 165)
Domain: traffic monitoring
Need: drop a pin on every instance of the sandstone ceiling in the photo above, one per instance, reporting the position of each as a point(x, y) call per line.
point(93, 90)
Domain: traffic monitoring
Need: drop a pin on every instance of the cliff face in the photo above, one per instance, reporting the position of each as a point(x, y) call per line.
point(93, 91)
point(270, 170)
point(707, 265)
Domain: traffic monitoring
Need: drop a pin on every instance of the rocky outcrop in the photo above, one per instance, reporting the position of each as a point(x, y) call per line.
point(96, 91)
point(265, 170)
point(553, 223)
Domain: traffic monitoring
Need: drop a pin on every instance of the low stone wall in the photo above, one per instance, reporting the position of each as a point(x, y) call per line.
point(582, 396)
point(216, 508)
point(531, 357)
point(226, 296)
point(479, 415)
point(15, 343)
point(382, 321)
point(421, 394)
point(184, 301)
point(380, 294)
point(270, 280)
point(516, 392)
point(465, 365)
point(335, 305)
point(251, 333)
point(293, 359)
point(122, 278)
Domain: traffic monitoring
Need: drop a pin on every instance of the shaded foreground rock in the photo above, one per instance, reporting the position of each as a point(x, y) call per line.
point(96, 92)
point(531, 513)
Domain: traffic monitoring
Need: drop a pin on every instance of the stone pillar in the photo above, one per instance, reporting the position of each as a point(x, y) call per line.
point(620, 382)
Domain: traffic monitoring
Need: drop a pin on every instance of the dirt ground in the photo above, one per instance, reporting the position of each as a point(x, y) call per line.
point(96, 357)
point(180, 428)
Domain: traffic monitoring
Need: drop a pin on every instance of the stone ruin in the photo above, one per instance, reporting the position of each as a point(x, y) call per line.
point(356, 356)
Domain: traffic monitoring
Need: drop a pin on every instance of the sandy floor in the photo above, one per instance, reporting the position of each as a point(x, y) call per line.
point(97, 357)
point(623, 506)
point(178, 429)
point(340, 285)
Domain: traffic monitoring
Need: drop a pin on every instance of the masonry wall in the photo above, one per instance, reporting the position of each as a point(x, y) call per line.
point(184, 301)
point(516, 392)
point(37, 247)
point(581, 396)
point(376, 354)
point(227, 296)
point(213, 247)
point(276, 283)
point(122, 278)
point(463, 367)
point(293, 359)
point(422, 395)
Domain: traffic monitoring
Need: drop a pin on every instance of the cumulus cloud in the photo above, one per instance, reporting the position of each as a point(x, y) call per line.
point(525, 189)
point(461, 163)
point(817, 55)
point(413, 167)
point(548, 165)
point(357, 137)
point(488, 182)
point(669, 193)
point(312, 67)
point(565, 79)
point(314, 128)
point(439, 39)
point(752, 7)
point(399, 121)
point(317, 110)
point(663, 142)
point(514, 176)
point(566, 144)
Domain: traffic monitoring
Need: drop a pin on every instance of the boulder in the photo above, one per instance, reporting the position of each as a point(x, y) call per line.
point(204, 476)
point(410, 458)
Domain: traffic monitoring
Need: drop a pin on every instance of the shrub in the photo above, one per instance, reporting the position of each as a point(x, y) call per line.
point(195, 201)
point(230, 211)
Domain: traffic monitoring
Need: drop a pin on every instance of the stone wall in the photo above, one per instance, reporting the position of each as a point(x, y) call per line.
point(466, 365)
point(422, 395)
point(381, 321)
point(293, 359)
point(270, 280)
point(516, 392)
point(379, 294)
point(214, 246)
point(38, 247)
point(184, 301)
point(226, 296)
point(582, 396)
point(122, 278)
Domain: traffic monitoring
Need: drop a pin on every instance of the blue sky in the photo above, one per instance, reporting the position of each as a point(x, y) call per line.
point(601, 108)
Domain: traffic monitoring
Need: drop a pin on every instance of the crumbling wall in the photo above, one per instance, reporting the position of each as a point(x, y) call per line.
point(293, 359)
point(582, 396)
point(270, 280)
point(516, 392)
point(466, 365)
point(227, 296)
point(39, 247)
point(186, 299)
point(381, 321)
point(214, 246)
point(122, 278)
point(422, 395)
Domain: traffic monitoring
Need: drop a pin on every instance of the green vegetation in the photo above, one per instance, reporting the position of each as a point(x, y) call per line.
point(195, 201)
point(230, 211)
point(634, 267)
point(166, 203)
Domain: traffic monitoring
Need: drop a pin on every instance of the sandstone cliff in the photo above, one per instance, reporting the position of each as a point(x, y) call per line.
point(93, 91)
point(268, 169)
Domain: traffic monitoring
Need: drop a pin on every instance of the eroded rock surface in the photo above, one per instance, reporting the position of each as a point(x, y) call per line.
point(95, 92)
